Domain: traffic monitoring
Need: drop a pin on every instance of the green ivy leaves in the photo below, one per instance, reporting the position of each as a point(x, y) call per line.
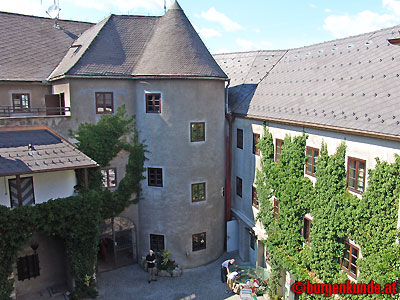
point(337, 215)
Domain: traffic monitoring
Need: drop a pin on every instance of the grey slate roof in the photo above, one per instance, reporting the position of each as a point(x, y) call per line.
point(112, 47)
point(351, 83)
point(176, 49)
point(118, 46)
point(30, 47)
point(49, 153)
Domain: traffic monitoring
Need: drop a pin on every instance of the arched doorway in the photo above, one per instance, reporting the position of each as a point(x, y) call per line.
point(117, 244)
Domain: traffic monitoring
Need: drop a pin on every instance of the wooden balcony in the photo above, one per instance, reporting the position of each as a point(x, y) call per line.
point(10, 111)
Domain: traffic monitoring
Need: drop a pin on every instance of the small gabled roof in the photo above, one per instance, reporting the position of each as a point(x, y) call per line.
point(351, 83)
point(26, 150)
point(30, 47)
point(175, 49)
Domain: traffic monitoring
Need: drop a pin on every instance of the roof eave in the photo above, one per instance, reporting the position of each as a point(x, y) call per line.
point(138, 77)
point(51, 170)
point(331, 128)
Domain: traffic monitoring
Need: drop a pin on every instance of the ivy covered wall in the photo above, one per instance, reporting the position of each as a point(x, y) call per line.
point(337, 216)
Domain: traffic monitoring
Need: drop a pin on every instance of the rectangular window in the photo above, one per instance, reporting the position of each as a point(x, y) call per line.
point(356, 174)
point(276, 208)
point(199, 241)
point(28, 267)
point(155, 177)
point(197, 132)
point(278, 149)
point(104, 103)
point(21, 191)
point(256, 137)
point(254, 197)
point(349, 260)
point(157, 242)
point(239, 186)
point(198, 192)
point(252, 239)
point(239, 138)
point(306, 229)
point(311, 160)
point(21, 102)
point(153, 103)
point(109, 177)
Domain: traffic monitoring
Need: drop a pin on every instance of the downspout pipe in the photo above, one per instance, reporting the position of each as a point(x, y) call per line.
point(228, 143)
point(229, 118)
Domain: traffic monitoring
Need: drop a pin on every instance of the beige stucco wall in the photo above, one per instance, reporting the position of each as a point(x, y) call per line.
point(168, 210)
point(36, 91)
point(52, 265)
point(79, 95)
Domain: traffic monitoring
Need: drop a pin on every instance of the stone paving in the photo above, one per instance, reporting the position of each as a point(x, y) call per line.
point(130, 283)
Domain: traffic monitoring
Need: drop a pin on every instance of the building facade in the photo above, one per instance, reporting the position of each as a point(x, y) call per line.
point(340, 91)
point(160, 70)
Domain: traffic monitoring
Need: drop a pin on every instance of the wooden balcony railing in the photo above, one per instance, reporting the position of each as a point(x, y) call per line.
point(10, 111)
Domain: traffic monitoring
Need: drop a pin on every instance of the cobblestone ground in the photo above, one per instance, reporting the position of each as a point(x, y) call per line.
point(130, 283)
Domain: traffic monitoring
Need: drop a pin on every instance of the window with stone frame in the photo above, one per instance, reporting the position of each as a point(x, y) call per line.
point(239, 186)
point(307, 224)
point(28, 267)
point(153, 103)
point(254, 197)
point(21, 102)
point(349, 260)
point(109, 177)
point(104, 103)
point(256, 137)
point(239, 138)
point(198, 241)
point(253, 239)
point(197, 132)
point(157, 242)
point(154, 176)
point(198, 192)
point(278, 149)
point(311, 160)
point(356, 170)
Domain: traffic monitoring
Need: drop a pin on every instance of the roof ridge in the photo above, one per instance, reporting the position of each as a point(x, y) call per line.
point(246, 52)
point(100, 27)
point(45, 18)
point(370, 33)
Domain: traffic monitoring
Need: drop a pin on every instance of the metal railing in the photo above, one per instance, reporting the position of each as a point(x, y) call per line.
point(10, 111)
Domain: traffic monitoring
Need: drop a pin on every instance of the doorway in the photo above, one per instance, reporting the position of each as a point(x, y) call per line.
point(117, 244)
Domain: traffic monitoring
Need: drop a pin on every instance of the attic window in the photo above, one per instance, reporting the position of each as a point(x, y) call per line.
point(77, 48)
point(267, 58)
point(394, 41)
point(334, 49)
point(320, 51)
point(369, 42)
point(350, 46)
point(308, 53)
point(238, 60)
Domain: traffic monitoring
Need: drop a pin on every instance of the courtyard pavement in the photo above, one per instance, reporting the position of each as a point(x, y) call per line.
point(130, 283)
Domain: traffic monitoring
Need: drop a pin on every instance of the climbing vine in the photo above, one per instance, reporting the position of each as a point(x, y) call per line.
point(337, 216)
point(76, 219)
